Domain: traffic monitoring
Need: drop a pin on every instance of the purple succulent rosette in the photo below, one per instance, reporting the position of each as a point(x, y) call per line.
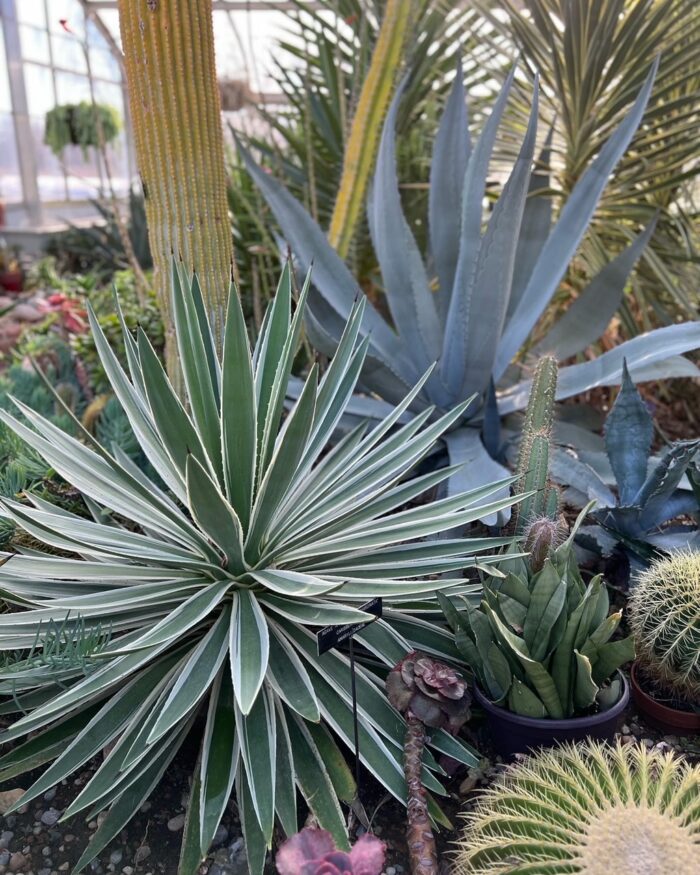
point(313, 852)
point(435, 693)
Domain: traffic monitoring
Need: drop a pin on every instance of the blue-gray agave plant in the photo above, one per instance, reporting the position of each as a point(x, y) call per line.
point(201, 586)
point(649, 497)
point(472, 304)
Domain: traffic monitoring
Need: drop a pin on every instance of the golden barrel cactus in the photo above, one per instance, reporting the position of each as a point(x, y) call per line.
point(590, 809)
point(664, 617)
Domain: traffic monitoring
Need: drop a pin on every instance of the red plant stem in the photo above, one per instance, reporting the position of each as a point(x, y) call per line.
point(419, 834)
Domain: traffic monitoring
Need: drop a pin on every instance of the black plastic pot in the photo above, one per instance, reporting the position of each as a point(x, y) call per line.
point(512, 734)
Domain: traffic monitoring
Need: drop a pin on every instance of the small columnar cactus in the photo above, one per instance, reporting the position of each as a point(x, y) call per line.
point(533, 457)
point(664, 616)
point(591, 809)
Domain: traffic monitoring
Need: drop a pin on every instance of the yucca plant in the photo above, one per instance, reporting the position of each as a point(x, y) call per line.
point(211, 577)
point(664, 616)
point(473, 305)
point(587, 809)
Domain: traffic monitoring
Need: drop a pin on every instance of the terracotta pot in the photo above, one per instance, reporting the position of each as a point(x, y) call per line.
point(512, 734)
point(11, 280)
point(661, 716)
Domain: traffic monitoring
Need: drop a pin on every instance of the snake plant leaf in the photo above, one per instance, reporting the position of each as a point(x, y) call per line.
point(567, 233)
point(611, 656)
point(522, 700)
point(585, 689)
point(210, 612)
point(590, 313)
point(406, 283)
point(629, 430)
point(547, 601)
point(447, 169)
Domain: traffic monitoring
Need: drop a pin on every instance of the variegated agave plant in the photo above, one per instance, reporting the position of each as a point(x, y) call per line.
point(201, 587)
point(473, 303)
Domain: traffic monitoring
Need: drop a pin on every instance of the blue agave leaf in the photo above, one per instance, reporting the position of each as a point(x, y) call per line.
point(449, 164)
point(464, 447)
point(405, 279)
point(489, 288)
point(628, 433)
point(454, 351)
point(491, 428)
point(568, 233)
point(654, 495)
point(588, 316)
point(535, 226)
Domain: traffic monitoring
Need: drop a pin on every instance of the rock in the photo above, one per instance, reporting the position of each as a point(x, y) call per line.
point(220, 835)
point(44, 872)
point(625, 729)
point(5, 839)
point(4, 857)
point(50, 817)
point(9, 797)
point(64, 867)
point(50, 795)
point(27, 313)
point(176, 823)
point(18, 862)
point(142, 853)
point(128, 870)
point(468, 784)
point(116, 857)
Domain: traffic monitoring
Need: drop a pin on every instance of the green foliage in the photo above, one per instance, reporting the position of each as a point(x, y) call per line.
point(216, 575)
point(472, 303)
point(592, 58)
point(588, 809)
point(664, 617)
point(649, 496)
point(539, 642)
point(535, 440)
point(78, 124)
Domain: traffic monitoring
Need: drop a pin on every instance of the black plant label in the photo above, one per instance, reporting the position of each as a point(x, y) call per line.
point(333, 636)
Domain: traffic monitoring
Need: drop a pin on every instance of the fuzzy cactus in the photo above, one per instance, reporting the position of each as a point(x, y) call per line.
point(664, 616)
point(533, 457)
point(589, 809)
point(428, 693)
point(541, 537)
point(313, 852)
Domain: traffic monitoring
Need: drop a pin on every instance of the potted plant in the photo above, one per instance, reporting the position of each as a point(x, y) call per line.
point(540, 640)
point(664, 617)
point(79, 124)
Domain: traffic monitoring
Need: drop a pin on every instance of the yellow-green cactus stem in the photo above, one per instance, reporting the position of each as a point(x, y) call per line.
point(591, 809)
point(175, 110)
point(361, 146)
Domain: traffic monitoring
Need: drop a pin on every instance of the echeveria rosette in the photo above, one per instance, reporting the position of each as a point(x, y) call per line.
point(313, 852)
point(195, 591)
point(428, 693)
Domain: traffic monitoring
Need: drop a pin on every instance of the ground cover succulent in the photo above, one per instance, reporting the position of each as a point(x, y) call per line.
point(664, 617)
point(590, 809)
point(208, 577)
point(473, 302)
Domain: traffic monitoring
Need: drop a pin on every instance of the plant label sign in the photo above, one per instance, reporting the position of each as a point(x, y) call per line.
point(333, 636)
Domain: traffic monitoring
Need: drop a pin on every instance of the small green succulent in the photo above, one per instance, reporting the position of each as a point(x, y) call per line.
point(589, 809)
point(664, 616)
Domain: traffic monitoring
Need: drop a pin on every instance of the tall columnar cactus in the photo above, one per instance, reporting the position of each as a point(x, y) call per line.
point(664, 616)
point(175, 112)
point(589, 809)
point(361, 147)
point(533, 459)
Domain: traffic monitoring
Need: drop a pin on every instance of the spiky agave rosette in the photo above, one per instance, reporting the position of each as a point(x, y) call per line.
point(210, 578)
point(590, 809)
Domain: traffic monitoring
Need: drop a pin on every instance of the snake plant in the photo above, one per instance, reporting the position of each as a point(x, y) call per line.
point(473, 302)
point(539, 642)
point(588, 809)
point(210, 576)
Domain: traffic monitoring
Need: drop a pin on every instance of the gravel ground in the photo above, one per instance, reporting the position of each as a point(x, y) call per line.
point(35, 842)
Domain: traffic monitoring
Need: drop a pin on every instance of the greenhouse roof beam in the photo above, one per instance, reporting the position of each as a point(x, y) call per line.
point(230, 5)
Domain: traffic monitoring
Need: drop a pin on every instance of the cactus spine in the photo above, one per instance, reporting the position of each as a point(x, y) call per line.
point(664, 617)
point(361, 146)
point(175, 109)
point(533, 458)
point(590, 809)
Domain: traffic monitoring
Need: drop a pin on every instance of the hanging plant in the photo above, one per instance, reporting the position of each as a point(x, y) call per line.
point(77, 124)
